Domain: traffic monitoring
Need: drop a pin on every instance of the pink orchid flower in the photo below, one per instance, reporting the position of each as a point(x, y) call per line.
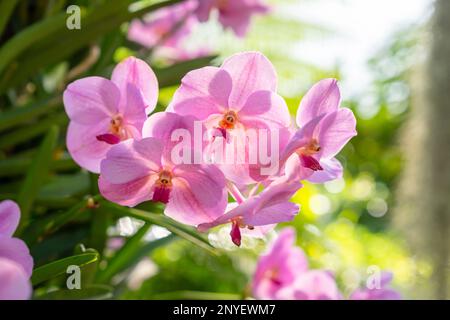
point(104, 112)
point(166, 27)
point(269, 207)
point(283, 273)
point(233, 14)
point(381, 293)
point(324, 130)
point(311, 285)
point(16, 263)
point(236, 98)
point(135, 171)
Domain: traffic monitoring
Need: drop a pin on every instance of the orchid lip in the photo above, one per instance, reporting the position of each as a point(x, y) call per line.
point(109, 138)
point(310, 163)
point(163, 187)
point(235, 233)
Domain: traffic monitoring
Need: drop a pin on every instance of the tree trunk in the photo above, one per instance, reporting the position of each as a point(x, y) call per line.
point(423, 211)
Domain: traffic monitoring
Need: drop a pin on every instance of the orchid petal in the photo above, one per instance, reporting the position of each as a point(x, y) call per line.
point(91, 100)
point(9, 217)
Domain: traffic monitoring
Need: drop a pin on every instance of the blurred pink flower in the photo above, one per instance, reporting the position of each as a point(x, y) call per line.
point(269, 207)
point(283, 273)
point(324, 130)
point(16, 263)
point(381, 293)
point(135, 171)
point(104, 112)
point(166, 27)
point(234, 14)
point(238, 96)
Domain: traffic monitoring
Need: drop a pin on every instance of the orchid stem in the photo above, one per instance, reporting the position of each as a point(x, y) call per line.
point(235, 193)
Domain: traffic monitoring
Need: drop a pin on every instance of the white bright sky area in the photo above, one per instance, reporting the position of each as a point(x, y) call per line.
point(360, 29)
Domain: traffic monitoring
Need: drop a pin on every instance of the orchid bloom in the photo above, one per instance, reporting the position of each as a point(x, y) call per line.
point(269, 207)
point(381, 293)
point(238, 97)
point(165, 27)
point(104, 112)
point(233, 14)
point(16, 263)
point(324, 130)
point(283, 273)
point(135, 171)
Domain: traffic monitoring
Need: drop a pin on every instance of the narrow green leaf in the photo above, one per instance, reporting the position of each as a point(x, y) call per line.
point(19, 115)
point(26, 133)
point(179, 229)
point(131, 253)
point(172, 75)
point(91, 292)
point(35, 176)
point(6, 9)
point(59, 267)
point(50, 224)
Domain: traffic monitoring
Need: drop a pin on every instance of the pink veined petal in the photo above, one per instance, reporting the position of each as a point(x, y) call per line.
point(204, 9)
point(161, 125)
point(198, 194)
point(266, 106)
point(14, 283)
point(9, 217)
point(280, 212)
point(324, 97)
point(279, 266)
point(134, 110)
point(91, 100)
point(335, 130)
point(172, 130)
point(16, 250)
point(250, 71)
point(203, 92)
point(131, 160)
point(332, 169)
point(239, 22)
point(138, 73)
point(237, 14)
point(311, 285)
point(128, 194)
point(84, 147)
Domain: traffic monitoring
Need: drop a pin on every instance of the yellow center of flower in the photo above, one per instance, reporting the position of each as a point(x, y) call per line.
point(165, 179)
point(115, 126)
point(229, 120)
point(310, 149)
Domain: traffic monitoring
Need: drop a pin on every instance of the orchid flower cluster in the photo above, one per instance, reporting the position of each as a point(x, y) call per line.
point(16, 263)
point(283, 273)
point(226, 132)
point(168, 27)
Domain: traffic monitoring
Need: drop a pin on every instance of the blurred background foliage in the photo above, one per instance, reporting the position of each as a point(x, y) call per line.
point(343, 226)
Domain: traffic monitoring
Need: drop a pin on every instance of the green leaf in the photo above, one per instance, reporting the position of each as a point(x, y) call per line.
point(50, 224)
point(172, 75)
point(91, 292)
point(53, 269)
point(131, 253)
point(35, 176)
point(26, 113)
point(6, 9)
point(26, 133)
point(183, 231)
point(62, 42)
